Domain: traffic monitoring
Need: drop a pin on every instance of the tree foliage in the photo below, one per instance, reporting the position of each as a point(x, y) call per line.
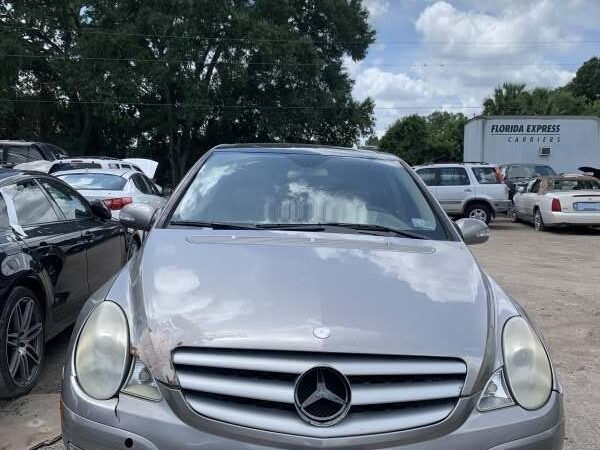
point(171, 79)
point(417, 139)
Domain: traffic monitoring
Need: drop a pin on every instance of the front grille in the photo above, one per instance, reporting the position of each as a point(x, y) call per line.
point(255, 389)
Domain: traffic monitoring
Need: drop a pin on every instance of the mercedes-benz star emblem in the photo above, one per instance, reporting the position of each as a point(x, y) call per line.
point(322, 396)
point(322, 332)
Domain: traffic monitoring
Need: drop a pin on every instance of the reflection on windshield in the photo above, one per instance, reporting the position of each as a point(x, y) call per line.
point(281, 188)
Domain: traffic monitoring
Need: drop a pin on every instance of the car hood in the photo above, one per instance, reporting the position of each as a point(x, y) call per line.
point(269, 290)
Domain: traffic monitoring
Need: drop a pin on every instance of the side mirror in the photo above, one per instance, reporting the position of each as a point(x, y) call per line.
point(100, 210)
point(138, 216)
point(521, 189)
point(473, 231)
point(166, 192)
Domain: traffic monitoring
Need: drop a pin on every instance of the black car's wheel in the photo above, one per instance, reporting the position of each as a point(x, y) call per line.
point(134, 247)
point(21, 343)
point(538, 221)
point(479, 211)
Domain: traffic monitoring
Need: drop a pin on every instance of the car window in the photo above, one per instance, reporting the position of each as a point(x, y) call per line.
point(67, 200)
point(31, 205)
point(94, 181)
point(17, 154)
point(429, 176)
point(453, 176)
point(486, 175)
point(64, 166)
point(140, 184)
point(151, 186)
point(281, 188)
point(530, 171)
point(574, 184)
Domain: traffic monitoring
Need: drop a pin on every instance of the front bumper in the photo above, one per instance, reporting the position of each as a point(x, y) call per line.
point(130, 422)
point(591, 219)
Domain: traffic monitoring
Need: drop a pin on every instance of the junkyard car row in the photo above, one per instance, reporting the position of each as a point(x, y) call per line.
point(283, 297)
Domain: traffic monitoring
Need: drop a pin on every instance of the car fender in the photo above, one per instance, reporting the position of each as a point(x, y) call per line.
point(479, 199)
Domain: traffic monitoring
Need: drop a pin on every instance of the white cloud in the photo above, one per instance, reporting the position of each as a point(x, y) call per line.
point(466, 52)
point(376, 8)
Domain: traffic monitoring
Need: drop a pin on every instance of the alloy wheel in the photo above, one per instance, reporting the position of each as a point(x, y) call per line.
point(479, 214)
point(24, 341)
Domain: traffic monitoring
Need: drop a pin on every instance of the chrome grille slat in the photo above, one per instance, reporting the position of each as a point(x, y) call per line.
point(235, 386)
point(411, 392)
point(255, 389)
point(352, 365)
point(290, 423)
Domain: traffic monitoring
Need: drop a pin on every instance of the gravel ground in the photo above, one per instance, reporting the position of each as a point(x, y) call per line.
point(554, 275)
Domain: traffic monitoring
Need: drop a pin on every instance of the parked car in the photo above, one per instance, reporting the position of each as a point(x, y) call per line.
point(519, 175)
point(593, 171)
point(473, 190)
point(116, 188)
point(17, 152)
point(146, 166)
point(306, 297)
point(55, 249)
point(558, 201)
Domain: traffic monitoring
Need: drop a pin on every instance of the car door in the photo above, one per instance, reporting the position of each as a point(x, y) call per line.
point(454, 188)
point(104, 239)
point(525, 201)
point(56, 244)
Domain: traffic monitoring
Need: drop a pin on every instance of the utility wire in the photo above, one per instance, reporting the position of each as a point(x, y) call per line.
point(273, 63)
point(301, 39)
point(217, 106)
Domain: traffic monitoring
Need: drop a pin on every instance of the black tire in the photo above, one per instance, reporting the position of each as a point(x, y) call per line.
point(479, 211)
point(514, 216)
point(22, 345)
point(538, 221)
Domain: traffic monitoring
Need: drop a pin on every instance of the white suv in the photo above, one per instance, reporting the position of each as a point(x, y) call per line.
point(472, 190)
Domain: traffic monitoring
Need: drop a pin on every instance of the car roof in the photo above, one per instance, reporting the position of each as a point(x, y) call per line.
point(526, 164)
point(466, 164)
point(17, 143)
point(8, 174)
point(125, 173)
point(313, 149)
point(567, 177)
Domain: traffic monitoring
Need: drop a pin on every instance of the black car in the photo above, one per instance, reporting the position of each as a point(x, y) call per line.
point(55, 249)
point(521, 174)
point(17, 152)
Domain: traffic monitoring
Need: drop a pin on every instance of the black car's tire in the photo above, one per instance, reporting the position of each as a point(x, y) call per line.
point(134, 247)
point(479, 211)
point(538, 221)
point(22, 343)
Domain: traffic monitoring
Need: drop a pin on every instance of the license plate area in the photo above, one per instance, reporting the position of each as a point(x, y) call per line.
point(587, 206)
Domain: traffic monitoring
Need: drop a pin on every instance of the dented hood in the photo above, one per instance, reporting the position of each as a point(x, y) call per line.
point(269, 290)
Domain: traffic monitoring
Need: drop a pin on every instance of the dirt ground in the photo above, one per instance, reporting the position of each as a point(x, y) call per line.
point(554, 275)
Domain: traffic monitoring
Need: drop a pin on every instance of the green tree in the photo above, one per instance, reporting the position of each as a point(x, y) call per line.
point(171, 79)
point(508, 99)
point(586, 83)
point(407, 138)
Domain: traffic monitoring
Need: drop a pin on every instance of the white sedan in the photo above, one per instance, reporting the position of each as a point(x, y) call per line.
point(559, 200)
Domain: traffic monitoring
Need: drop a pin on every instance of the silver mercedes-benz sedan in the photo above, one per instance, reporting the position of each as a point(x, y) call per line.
point(295, 297)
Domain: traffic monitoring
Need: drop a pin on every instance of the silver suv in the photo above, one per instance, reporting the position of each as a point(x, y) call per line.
point(473, 190)
point(296, 297)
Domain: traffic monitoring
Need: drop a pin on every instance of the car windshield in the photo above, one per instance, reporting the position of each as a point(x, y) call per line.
point(530, 171)
point(574, 184)
point(486, 175)
point(262, 189)
point(94, 181)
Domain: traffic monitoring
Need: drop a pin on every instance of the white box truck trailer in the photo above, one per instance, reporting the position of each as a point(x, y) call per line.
point(563, 142)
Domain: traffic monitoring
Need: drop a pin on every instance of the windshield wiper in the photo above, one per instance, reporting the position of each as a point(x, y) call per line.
point(374, 229)
point(213, 225)
point(291, 226)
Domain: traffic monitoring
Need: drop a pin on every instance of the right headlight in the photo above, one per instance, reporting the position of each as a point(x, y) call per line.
point(102, 351)
point(527, 366)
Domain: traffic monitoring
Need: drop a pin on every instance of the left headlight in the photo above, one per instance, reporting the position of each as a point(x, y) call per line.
point(102, 352)
point(527, 365)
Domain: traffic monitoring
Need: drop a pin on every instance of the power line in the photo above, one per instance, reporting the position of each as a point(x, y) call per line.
point(301, 39)
point(424, 65)
point(239, 107)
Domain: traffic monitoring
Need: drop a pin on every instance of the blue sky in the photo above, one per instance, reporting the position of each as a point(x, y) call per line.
point(451, 54)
